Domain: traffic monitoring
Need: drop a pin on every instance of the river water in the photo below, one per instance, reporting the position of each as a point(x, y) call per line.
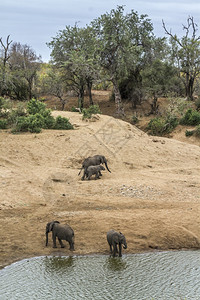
point(149, 276)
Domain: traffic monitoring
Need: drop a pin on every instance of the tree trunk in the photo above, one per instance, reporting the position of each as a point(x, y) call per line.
point(81, 97)
point(89, 86)
point(118, 100)
point(189, 87)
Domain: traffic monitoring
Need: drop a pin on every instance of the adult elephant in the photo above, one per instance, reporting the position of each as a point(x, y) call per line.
point(93, 161)
point(115, 239)
point(62, 232)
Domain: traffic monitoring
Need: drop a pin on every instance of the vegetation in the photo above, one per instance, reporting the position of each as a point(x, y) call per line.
point(191, 117)
point(117, 50)
point(88, 112)
point(35, 117)
point(162, 126)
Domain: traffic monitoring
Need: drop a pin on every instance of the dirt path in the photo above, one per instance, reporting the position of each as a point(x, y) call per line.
point(152, 194)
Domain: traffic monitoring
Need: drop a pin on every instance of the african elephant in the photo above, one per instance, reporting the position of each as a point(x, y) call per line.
point(62, 232)
point(94, 170)
point(116, 238)
point(93, 161)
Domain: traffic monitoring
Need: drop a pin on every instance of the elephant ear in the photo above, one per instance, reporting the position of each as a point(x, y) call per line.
point(52, 224)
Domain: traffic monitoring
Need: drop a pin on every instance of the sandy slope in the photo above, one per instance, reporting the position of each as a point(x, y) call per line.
point(152, 194)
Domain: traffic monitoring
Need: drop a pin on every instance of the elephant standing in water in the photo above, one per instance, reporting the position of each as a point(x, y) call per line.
point(93, 161)
point(62, 232)
point(116, 238)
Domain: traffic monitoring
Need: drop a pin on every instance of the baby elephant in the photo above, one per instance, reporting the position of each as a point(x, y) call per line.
point(94, 170)
point(62, 232)
point(116, 238)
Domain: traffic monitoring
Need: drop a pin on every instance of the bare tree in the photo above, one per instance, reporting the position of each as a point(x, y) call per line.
point(5, 59)
point(186, 54)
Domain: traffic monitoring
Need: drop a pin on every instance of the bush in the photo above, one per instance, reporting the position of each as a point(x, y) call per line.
point(62, 123)
point(88, 112)
point(191, 117)
point(5, 106)
point(156, 126)
point(134, 120)
point(14, 113)
point(34, 106)
point(161, 126)
point(3, 124)
point(189, 132)
point(32, 123)
point(74, 109)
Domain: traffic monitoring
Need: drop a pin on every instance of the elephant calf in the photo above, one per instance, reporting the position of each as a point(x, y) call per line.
point(62, 232)
point(116, 238)
point(93, 161)
point(94, 170)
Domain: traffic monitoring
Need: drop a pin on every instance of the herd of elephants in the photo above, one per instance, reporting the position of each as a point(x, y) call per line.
point(91, 166)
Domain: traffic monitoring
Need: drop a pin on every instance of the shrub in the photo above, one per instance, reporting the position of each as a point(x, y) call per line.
point(74, 109)
point(62, 123)
point(14, 113)
point(134, 120)
point(93, 109)
point(156, 126)
point(170, 123)
point(161, 126)
point(34, 106)
point(189, 132)
point(3, 124)
point(5, 106)
point(191, 117)
point(32, 123)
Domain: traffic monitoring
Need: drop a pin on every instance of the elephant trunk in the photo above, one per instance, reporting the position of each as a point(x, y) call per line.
point(107, 166)
point(80, 171)
point(125, 246)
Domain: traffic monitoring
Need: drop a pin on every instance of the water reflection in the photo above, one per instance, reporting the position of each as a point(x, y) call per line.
point(58, 264)
point(115, 264)
point(159, 276)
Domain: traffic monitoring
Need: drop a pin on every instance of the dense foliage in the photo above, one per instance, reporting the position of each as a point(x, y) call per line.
point(32, 117)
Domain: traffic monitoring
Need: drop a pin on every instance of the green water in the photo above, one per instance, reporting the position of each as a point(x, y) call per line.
point(149, 276)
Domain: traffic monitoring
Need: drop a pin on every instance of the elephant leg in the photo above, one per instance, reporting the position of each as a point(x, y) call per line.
point(71, 248)
point(100, 173)
point(97, 175)
point(54, 241)
point(114, 250)
point(110, 248)
point(61, 243)
point(85, 174)
point(120, 250)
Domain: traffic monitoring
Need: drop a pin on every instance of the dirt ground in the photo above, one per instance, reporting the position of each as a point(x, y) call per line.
point(152, 194)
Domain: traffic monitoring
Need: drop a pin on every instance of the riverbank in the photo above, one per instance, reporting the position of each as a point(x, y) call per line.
point(152, 194)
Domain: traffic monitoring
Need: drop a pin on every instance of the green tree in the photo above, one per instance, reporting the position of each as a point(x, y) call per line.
point(24, 64)
point(185, 53)
point(73, 53)
point(53, 83)
point(161, 79)
point(122, 42)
